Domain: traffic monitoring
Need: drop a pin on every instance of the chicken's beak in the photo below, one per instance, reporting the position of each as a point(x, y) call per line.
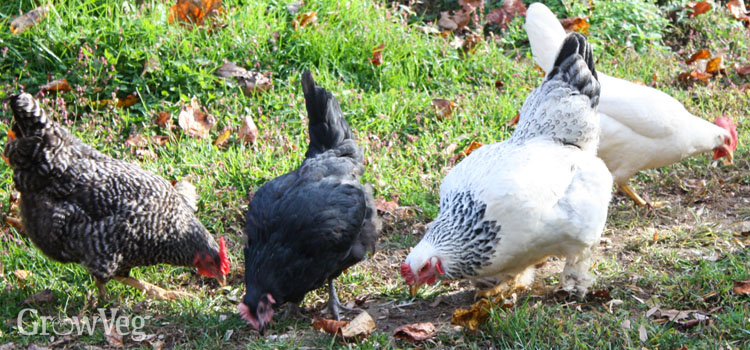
point(729, 158)
point(414, 289)
point(222, 280)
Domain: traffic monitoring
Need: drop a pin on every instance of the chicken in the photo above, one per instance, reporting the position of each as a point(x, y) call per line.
point(642, 127)
point(543, 192)
point(309, 225)
point(80, 205)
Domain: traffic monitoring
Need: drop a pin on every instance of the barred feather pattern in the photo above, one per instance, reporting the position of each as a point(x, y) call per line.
point(80, 205)
point(463, 232)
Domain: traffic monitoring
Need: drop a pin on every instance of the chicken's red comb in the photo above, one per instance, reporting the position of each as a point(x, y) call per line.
point(407, 274)
point(225, 264)
point(728, 124)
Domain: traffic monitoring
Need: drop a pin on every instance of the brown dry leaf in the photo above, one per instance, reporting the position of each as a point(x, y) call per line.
point(443, 108)
point(151, 64)
point(114, 338)
point(22, 275)
point(499, 84)
point(462, 18)
point(743, 70)
point(642, 335)
point(305, 19)
point(377, 55)
point(514, 120)
point(386, 206)
point(602, 294)
point(59, 85)
point(27, 20)
point(136, 140)
point(359, 328)
point(329, 326)
point(446, 22)
point(163, 119)
point(576, 24)
point(504, 15)
point(128, 100)
point(193, 11)
point(473, 318)
point(14, 222)
point(698, 8)
point(470, 43)
point(194, 121)
point(742, 287)
point(250, 82)
point(686, 318)
point(160, 140)
point(249, 131)
point(222, 138)
point(470, 148)
point(415, 331)
point(739, 12)
point(693, 76)
point(44, 296)
point(700, 55)
point(714, 65)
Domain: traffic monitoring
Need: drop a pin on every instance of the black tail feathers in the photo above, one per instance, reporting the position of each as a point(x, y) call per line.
point(327, 126)
point(28, 114)
point(575, 65)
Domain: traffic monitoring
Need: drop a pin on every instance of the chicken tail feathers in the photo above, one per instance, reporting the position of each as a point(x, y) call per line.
point(575, 66)
point(327, 126)
point(28, 114)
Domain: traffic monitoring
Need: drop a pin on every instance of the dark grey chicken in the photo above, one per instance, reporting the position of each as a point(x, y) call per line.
point(80, 205)
point(305, 227)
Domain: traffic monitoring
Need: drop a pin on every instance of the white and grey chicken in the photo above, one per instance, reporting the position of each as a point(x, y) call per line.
point(641, 127)
point(543, 192)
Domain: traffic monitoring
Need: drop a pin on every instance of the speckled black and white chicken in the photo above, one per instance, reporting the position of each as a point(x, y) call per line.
point(543, 192)
point(80, 205)
point(307, 226)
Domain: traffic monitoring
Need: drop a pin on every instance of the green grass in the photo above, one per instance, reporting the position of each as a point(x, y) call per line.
point(100, 47)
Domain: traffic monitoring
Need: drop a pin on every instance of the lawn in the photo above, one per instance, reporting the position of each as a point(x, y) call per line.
point(684, 256)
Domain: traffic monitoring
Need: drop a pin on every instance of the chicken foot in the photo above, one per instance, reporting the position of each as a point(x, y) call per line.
point(334, 305)
point(509, 285)
point(153, 291)
point(637, 199)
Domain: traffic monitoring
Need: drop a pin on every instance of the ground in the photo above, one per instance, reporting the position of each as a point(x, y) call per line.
point(684, 256)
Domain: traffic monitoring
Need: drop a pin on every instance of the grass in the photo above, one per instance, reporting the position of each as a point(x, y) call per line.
point(100, 48)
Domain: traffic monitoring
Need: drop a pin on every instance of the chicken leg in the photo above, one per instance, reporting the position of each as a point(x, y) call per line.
point(334, 305)
point(509, 285)
point(637, 199)
point(153, 291)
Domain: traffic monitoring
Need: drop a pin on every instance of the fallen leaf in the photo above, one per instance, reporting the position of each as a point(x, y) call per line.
point(305, 19)
point(194, 11)
point(700, 55)
point(136, 140)
point(329, 326)
point(160, 140)
point(576, 24)
point(293, 7)
point(14, 222)
point(470, 148)
point(499, 84)
point(250, 82)
point(151, 64)
point(684, 318)
point(446, 22)
point(473, 318)
point(22, 274)
point(743, 70)
point(27, 20)
point(222, 138)
point(698, 8)
point(128, 100)
point(248, 131)
point(504, 15)
point(415, 332)
point(377, 55)
point(714, 65)
point(44, 296)
point(443, 108)
point(642, 333)
point(693, 76)
point(11, 135)
point(163, 119)
point(601, 294)
point(195, 122)
point(738, 11)
point(514, 120)
point(742, 287)
point(384, 206)
point(470, 43)
point(59, 85)
point(359, 328)
point(114, 338)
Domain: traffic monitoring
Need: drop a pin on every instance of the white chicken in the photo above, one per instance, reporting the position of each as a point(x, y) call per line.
point(543, 192)
point(641, 127)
